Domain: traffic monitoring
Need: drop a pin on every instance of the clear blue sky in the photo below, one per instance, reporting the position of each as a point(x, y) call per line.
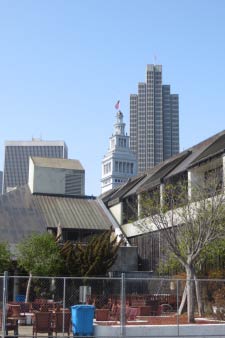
point(64, 64)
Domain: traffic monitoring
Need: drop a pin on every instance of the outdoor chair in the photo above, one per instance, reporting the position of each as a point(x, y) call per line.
point(25, 307)
point(10, 325)
point(164, 309)
point(62, 322)
point(115, 312)
point(44, 308)
point(102, 314)
point(42, 323)
point(131, 313)
point(14, 312)
point(35, 306)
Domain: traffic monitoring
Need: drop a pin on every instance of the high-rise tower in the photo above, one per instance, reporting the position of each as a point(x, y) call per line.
point(16, 166)
point(154, 120)
point(119, 164)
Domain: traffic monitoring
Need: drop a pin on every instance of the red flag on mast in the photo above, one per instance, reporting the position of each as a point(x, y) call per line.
point(117, 105)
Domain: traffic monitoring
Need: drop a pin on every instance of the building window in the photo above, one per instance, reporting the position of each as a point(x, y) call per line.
point(132, 168)
point(116, 166)
point(120, 167)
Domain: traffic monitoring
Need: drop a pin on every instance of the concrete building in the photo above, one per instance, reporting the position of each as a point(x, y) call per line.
point(197, 164)
point(1, 175)
point(154, 120)
point(56, 176)
point(119, 163)
point(16, 163)
point(41, 206)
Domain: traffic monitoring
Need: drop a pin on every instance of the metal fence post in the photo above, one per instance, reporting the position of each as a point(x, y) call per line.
point(64, 303)
point(178, 324)
point(123, 307)
point(4, 301)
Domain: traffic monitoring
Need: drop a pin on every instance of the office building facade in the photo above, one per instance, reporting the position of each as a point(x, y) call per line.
point(16, 163)
point(119, 163)
point(154, 120)
point(1, 176)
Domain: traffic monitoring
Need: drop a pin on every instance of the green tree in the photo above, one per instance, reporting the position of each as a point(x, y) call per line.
point(39, 255)
point(5, 257)
point(71, 264)
point(213, 257)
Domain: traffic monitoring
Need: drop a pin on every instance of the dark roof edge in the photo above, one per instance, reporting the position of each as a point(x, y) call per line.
point(85, 197)
point(206, 158)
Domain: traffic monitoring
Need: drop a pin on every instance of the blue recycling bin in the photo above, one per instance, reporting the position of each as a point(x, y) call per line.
point(82, 319)
point(20, 298)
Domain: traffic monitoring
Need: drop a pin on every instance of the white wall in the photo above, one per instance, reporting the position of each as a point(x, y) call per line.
point(117, 212)
point(49, 180)
point(181, 331)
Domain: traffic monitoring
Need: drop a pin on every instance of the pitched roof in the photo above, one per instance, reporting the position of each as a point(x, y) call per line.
point(160, 171)
point(23, 213)
point(215, 148)
point(175, 165)
point(124, 189)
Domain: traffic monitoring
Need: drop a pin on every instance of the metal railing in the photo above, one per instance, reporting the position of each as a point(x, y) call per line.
point(128, 303)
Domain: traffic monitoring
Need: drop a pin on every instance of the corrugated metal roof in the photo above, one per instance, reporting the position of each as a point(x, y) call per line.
point(59, 163)
point(73, 213)
point(22, 214)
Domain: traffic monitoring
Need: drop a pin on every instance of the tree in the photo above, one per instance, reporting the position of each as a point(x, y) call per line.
point(39, 255)
point(91, 259)
point(212, 257)
point(71, 264)
point(99, 255)
point(188, 222)
point(5, 257)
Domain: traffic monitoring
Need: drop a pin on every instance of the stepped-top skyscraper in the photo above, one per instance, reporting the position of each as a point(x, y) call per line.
point(154, 120)
point(16, 165)
point(119, 164)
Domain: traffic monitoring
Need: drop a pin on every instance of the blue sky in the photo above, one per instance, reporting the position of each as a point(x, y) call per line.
point(64, 64)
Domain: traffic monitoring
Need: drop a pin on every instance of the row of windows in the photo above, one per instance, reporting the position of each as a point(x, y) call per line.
point(118, 180)
point(124, 167)
point(120, 166)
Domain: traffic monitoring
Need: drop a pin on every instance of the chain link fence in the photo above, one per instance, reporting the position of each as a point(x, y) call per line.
point(120, 303)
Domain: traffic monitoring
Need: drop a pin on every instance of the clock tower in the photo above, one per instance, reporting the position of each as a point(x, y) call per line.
point(119, 163)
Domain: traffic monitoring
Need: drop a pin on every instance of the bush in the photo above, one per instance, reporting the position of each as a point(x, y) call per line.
point(219, 303)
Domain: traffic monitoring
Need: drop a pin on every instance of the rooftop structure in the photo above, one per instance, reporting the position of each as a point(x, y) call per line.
point(16, 163)
point(56, 176)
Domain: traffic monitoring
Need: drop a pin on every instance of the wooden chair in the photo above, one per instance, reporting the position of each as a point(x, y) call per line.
point(102, 314)
point(42, 323)
point(15, 312)
point(131, 313)
point(25, 307)
point(35, 306)
point(62, 322)
point(10, 325)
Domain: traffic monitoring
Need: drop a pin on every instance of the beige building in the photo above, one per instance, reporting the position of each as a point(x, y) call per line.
point(56, 176)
